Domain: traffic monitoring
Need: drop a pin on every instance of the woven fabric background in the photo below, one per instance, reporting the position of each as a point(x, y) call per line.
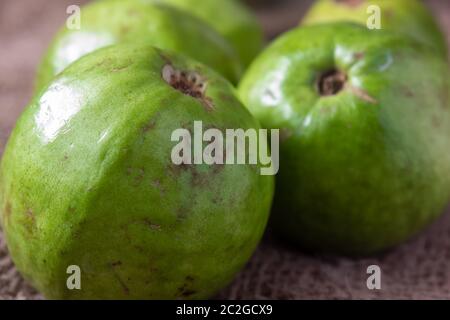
point(419, 269)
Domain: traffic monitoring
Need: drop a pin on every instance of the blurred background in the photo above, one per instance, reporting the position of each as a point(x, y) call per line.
point(418, 269)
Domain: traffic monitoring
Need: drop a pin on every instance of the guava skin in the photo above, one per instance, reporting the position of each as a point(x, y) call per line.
point(408, 17)
point(109, 22)
point(87, 180)
point(367, 167)
point(233, 20)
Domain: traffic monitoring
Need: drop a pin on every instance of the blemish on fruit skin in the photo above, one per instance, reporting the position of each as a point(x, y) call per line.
point(8, 210)
point(117, 69)
point(190, 83)
point(350, 3)
point(157, 184)
point(408, 92)
point(116, 263)
point(363, 95)
point(182, 214)
point(30, 221)
point(124, 30)
point(186, 291)
point(359, 55)
point(139, 175)
point(151, 225)
point(149, 126)
point(125, 288)
point(197, 179)
point(226, 97)
point(285, 134)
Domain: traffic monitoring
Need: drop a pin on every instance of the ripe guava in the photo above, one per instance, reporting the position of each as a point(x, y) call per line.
point(408, 17)
point(87, 180)
point(109, 22)
point(364, 156)
point(232, 19)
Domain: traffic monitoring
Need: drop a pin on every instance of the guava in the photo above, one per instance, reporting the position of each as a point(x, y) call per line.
point(87, 181)
point(109, 22)
point(408, 17)
point(232, 19)
point(365, 135)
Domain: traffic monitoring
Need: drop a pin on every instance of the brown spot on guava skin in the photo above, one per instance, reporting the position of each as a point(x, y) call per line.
point(185, 291)
point(226, 97)
point(188, 293)
point(138, 176)
point(408, 92)
point(285, 134)
point(151, 225)
point(363, 95)
point(326, 110)
point(177, 170)
point(149, 126)
point(350, 3)
point(116, 263)
point(30, 221)
point(181, 215)
point(157, 184)
point(103, 62)
point(124, 30)
point(217, 168)
point(190, 83)
point(120, 68)
point(217, 199)
point(163, 56)
point(122, 283)
point(197, 178)
point(359, 55)
point(7, 211)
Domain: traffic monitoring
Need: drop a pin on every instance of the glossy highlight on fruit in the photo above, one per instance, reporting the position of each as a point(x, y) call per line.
point(108, 22)
point(232, 19)
point(408, 17)
point(87, 180)
point(365, 116)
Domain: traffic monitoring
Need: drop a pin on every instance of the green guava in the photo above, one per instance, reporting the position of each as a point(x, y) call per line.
point(365, 122)
point(409, 17)
point(87, 179)
point(232, 19)
point(109, 22)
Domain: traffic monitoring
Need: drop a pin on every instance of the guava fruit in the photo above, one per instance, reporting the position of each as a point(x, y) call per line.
point(408, 17)
point(365, 122)
point(109, 22)
point(87, 180)
point(232, 19)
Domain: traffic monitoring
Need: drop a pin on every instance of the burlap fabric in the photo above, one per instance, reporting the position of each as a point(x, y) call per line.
point(418, 269)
